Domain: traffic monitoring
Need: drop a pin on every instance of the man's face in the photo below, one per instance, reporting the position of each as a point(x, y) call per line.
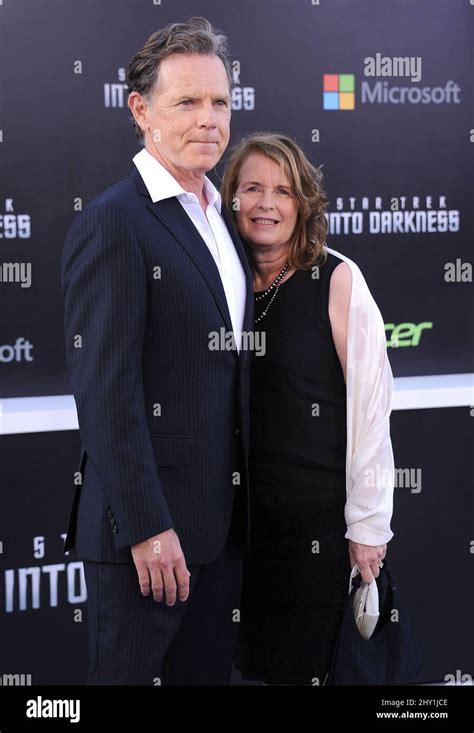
point(189, 113)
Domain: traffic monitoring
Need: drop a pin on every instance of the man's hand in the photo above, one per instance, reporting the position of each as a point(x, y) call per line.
point(160, 563)
point(367, 557)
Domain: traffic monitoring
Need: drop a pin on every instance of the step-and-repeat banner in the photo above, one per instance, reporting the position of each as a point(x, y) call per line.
point(380, 94)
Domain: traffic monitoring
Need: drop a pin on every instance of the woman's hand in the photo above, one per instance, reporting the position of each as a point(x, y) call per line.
point(367, 557)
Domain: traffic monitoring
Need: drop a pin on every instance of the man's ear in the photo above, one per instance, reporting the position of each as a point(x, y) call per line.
point(138, 106)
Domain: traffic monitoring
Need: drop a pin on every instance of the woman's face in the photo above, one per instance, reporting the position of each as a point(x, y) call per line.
point(268, 205)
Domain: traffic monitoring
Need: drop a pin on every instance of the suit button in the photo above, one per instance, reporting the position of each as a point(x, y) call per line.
point(112, 521)
point(237, 432)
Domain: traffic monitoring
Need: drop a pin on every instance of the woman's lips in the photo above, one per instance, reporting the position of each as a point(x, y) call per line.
point(261, 222)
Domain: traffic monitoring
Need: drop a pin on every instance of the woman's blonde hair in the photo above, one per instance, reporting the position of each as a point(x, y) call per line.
point(309, 236)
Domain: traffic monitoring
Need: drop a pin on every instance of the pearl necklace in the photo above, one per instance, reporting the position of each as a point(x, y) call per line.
point(276, 286)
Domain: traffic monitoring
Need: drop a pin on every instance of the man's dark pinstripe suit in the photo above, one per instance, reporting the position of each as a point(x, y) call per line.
point(164, 427)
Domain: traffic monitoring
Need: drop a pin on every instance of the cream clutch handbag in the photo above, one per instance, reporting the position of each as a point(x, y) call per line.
point(366, 605)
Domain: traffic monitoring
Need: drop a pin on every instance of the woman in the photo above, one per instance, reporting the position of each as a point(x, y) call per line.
point(321, 462)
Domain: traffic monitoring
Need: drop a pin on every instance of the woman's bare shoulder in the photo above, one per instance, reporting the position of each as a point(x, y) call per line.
point(341, 280)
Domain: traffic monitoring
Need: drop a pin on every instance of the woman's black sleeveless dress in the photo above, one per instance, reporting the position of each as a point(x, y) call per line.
point(296, 578)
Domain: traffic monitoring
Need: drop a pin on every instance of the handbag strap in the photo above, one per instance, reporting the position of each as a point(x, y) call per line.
point(386, 568)
point(355, 578)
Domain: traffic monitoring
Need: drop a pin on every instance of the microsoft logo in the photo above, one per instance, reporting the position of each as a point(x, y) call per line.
point(338, 91)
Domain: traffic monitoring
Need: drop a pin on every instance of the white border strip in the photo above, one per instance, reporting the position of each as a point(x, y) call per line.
point(38, 414)
point(55, 413)
point(437, 390)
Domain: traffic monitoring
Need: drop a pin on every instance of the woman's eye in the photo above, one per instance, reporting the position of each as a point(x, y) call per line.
point(252, 188)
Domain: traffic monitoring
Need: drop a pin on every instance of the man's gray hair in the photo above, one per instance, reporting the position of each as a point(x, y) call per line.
point(195, 35)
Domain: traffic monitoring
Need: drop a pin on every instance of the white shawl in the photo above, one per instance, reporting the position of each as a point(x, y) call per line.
point(370, 468)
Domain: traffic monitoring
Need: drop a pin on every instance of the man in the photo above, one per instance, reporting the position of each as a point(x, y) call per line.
point(152, 269)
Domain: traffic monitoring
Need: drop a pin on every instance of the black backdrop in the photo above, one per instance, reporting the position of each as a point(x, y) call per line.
point(66, 135)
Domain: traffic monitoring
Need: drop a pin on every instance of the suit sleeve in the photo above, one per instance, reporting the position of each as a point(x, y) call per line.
point(105, 299)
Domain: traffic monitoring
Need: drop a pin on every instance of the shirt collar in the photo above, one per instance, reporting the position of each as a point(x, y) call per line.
point(162, 185)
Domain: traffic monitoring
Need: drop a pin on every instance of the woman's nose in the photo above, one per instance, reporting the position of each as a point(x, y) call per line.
point(266, 202)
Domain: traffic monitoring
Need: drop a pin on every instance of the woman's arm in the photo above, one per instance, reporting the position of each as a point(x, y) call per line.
point(367, 557)
point(339, 303)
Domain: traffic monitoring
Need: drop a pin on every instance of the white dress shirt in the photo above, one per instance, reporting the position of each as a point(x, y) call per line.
point(210, 225)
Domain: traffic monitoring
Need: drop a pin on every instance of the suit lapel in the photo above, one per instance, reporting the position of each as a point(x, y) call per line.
point(172, 215)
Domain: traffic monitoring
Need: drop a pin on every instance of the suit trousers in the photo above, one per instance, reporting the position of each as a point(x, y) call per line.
point(133, 640)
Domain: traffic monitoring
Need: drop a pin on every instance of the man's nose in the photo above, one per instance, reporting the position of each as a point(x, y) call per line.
point(207, 116)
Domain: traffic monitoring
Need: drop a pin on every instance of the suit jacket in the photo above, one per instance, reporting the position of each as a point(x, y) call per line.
point(163, 418)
